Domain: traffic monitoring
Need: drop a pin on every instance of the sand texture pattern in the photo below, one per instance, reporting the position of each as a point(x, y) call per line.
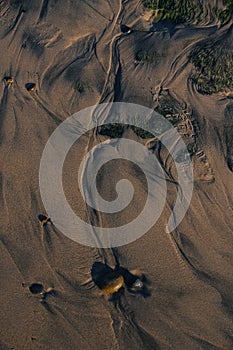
point(58, 57)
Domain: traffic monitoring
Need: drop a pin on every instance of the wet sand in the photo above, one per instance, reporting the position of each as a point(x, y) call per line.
point(77, 56)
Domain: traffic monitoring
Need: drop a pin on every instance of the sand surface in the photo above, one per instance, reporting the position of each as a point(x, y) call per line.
point(76, 55)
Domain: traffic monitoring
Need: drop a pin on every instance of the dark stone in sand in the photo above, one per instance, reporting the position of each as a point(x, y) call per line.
point(42, 217)
point(107, 279)
point(36, 288)
point(30, 86)
point(125, 29)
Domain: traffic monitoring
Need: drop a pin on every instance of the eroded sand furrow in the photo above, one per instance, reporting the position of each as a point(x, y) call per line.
point(43, 10)
point(3, 106)
point(180, 63)
point(126, 330)
point(14, 26)
point(113, 65)
point(107, 94)
point(81, 49)
point(4, 8)
point(47, 108)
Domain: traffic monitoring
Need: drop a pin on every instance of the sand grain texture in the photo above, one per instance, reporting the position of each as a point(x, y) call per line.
point(76, 55)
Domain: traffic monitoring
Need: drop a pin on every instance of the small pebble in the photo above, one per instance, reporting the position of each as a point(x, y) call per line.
point(30, 86)
point(36, 288)
point(125, 29)
point(43, 219)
